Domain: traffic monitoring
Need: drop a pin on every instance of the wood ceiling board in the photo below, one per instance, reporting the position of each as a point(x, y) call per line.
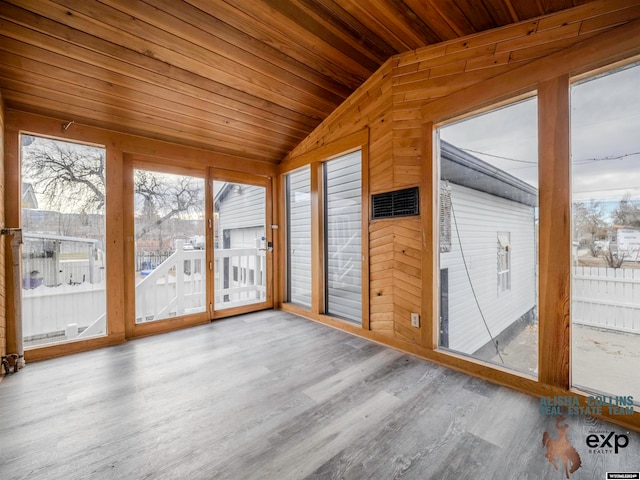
point(167, 29)
point(302, 50)
point(179, 53)
point(277, 25)
point(477, 14)
point(501, 11)
point(250, 77)
point(316, 26)
point(334, 13)
point(151, 97)
point(430, 15)
point(207, 29)
point(396, 22)
point(85, 47)
point(125, 119)
point(386, 22)
point(37, 60)
point(91, 113)
point(528, 9)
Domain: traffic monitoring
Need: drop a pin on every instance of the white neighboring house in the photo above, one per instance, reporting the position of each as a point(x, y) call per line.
point(240, 220)
point(493, 216)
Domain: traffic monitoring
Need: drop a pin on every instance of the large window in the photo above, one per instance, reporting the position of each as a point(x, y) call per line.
point(298, 185)
point(63, 257)
point(488, 237)
point(605, 159)
point(169, 245)
point(343, 232)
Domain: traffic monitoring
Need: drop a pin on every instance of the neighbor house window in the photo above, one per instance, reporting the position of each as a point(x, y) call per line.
point(445, 217)
point(504, 262)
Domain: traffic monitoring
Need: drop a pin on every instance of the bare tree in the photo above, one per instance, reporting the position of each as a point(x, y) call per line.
point(164, 198)
point(66, 174)
point(627, 213)
point(613, 259)
point(589, 220)
point(71, 177)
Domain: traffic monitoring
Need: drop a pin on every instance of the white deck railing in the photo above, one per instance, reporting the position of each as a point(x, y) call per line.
point(246, 277)
point(176, 287)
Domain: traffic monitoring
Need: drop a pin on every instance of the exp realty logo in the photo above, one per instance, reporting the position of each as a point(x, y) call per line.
point(560, 449)
point(606, 442)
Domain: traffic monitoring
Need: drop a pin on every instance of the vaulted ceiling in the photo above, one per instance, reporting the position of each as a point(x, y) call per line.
point(250, 78)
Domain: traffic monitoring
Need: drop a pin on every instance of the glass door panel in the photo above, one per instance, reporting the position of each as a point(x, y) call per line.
point(240, 245)
point(63, 255)
point(170, 255)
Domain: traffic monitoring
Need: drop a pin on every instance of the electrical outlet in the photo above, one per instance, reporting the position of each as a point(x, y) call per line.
point(415, 320)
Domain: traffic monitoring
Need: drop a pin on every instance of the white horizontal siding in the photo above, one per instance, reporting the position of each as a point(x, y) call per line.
point(480, 217)
point(344, 236)
point(299, 248)
point(242, 209)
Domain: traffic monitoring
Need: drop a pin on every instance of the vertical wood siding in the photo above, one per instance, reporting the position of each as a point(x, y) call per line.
point(3, 287)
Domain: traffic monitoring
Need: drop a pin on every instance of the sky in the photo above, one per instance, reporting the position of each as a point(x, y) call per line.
point(605, 125)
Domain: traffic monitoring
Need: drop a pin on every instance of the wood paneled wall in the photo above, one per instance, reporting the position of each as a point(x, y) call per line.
point(390, 103)
point(3, 288)
point(439, 84)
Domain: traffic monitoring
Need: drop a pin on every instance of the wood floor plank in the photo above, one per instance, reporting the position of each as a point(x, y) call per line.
point(270, 395)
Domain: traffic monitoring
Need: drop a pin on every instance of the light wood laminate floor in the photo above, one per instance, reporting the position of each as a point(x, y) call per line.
point(274, 396)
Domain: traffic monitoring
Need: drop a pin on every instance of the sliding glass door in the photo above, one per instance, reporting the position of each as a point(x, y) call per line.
point(242, 244)
point(170, 256)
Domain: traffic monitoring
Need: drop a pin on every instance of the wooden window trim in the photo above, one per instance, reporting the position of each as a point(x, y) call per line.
point(551, 77)
point(316, 159)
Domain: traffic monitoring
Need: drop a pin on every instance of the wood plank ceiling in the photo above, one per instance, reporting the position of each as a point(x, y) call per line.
point(250, 78)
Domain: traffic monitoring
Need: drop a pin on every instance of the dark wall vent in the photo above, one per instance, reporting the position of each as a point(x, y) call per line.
point(400, 203)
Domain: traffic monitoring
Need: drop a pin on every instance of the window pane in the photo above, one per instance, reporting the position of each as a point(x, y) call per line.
point(343, 253)
point(63, 255)
point(170, 245)
point(488, 237)
point(299, 237)
point(605, 308)
point(240, 254)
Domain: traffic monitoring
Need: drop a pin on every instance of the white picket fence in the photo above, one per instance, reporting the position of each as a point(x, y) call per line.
point(606, 298)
